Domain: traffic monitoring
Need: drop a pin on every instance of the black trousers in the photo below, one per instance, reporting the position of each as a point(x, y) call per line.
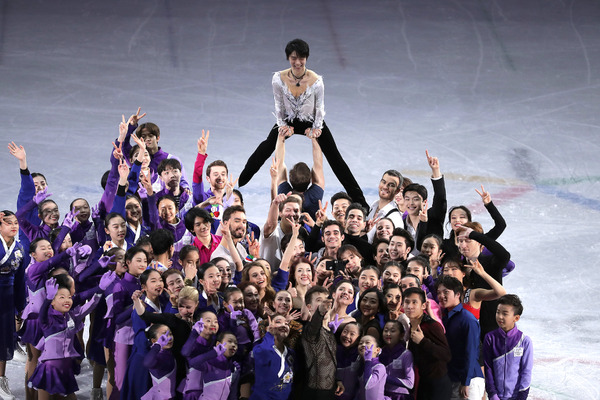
point(330, 151)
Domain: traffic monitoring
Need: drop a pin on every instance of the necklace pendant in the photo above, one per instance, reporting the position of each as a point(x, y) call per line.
point(298, 84)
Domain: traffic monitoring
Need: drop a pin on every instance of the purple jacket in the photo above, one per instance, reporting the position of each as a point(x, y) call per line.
point(122, 306)
point(60, 330)
point(348, 364)
point(508, 360)
point(371, 382)
point(193, 347)
point(398, 362)
point(32, 231)
point(216, 374)
point(161, 365)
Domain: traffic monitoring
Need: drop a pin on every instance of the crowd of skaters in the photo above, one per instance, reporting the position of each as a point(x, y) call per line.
point(187, 299)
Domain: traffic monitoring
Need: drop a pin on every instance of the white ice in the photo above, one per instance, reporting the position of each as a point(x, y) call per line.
point(505, 93)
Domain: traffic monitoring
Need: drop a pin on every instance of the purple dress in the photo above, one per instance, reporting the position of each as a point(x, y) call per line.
point(57, 365)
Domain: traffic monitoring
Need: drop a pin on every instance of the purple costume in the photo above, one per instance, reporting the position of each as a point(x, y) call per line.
point(161, 365)
point(57, 367)
point(216, 374)
point(348, 364)
point(371, 382)
point(32, 231)
point(398, 362)
point(12, 293)
point(196, 345)
point(508, 360)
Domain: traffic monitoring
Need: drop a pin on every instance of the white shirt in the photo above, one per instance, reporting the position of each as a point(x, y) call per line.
point(309, 106)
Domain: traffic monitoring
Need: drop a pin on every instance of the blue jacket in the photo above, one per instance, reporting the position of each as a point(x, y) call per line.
point(462, 333)
point(273, 371)
point(508, 360)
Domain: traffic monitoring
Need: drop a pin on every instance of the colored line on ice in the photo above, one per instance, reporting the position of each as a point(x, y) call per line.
point(573, 197)
point(568, 181)
point(501, 197)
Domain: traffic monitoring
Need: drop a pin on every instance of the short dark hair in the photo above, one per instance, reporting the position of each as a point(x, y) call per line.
point(285, 240)
point(300, 176)
point(422, 261)
point(230, 210)
point(514, 301)
point(290, 199)
point(132, 251)
point(229, 291)
point(380, 299)
point(216, 163)
point(150, 127)
point(111, 216)
point(371, 268)
point(315, 289)
point(204, 267)
point(42, 203)
point(192, 214)
point(36, 174)
point(168, 162)
point(416, 278)
point(395, 173)
point(415, 187)
point(169, 272)
point(161, 241)
point(450, 283)
point(414, 290)
point(167, 197)
point(299, 46)
point(356, 206)
point(330, 222)
point(187, 249)
point(338, 196)
point(410, 242)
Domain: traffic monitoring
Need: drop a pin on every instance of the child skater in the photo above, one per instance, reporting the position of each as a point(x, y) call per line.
point(398, 360)
point(219, 371)
point(373, 375)
point(57, 367)
point(136, 260)
point(507, 354)
point(43, 261)
point(161, 364)
point(12, 291)
point(201, 340)
point(347, 358)
point(273, 363)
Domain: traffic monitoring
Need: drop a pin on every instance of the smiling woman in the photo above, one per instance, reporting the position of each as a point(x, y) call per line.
point(300, 108)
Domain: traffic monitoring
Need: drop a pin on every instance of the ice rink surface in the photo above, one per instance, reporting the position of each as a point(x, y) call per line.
point(505, 93)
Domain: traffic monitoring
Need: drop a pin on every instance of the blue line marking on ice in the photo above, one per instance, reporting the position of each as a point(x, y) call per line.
point(577, 199)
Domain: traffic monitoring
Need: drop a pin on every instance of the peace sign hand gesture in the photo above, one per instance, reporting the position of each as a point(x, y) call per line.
point(486, 197)
point(134, 119)
point(203, 142)
point(321, 213)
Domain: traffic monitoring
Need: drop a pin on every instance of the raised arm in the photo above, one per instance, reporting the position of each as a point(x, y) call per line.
point(496, 291)
point(286, 259)
point(280, 159)
point(318, 175)
point(271, 223)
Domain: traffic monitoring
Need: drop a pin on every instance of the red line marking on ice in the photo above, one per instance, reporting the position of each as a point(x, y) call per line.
point(501, 197)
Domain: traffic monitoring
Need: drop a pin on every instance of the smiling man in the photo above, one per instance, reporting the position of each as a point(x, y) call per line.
point(385, 206)
point(462, 333)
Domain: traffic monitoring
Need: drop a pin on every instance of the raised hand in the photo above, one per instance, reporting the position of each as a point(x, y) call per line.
point(220, 349)
point(476, 267)
point(293, 315)
point(335, 324)
point(105, 261)
point(96, 212)
point(199, 326)
point(84, 251)
point(369, 352)
point(280, 198)
point(273, 170)
point(123, 172)
point(230, 185)
point(163, 340)
point(135, 118)
point(118, 151)
point(463, 231)
point(203, 142)
point(434, 164)
point(140, 143)
point(70, 220)
point(286, 131)
point(486, 197)
point(423, 217)
point(321, 213)
point(253, 245)
point(72, 251)
point(137, 295)
point(233, 314)
point(51, 288)
point(19, 153)
point(41, 195)
point(371, 223)
point(107, 279)
point(325, 306)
